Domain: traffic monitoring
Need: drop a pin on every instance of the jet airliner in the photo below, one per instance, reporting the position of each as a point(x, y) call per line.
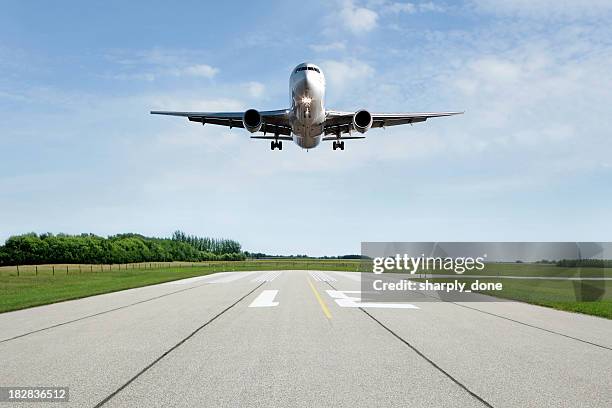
point(307, 122)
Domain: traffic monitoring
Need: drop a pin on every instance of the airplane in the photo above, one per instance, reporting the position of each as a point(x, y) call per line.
point(307, 123)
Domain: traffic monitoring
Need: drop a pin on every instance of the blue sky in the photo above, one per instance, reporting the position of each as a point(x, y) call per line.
point(530, 159)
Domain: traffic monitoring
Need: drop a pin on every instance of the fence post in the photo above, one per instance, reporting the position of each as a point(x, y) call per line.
point(79, 269)
point(17, 270)
point(53, 267)
point(91, 268)
point(66, 269)
point(36, 270)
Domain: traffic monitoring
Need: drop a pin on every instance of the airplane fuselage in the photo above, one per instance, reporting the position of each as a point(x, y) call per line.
point(307, 114)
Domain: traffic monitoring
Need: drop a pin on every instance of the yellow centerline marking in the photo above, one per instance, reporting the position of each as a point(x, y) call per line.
point(320, 300)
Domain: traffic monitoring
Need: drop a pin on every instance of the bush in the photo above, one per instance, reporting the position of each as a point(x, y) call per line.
point(122, 248)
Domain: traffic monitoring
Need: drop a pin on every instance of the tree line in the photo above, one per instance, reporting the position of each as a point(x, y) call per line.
point(585, 263)
point(30, 249)
point(205, 244)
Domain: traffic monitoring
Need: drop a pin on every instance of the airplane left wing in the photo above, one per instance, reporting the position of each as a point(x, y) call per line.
point(274, 122)
point(342, 122)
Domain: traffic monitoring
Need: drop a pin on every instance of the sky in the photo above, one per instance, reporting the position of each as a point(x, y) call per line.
point(529, 161)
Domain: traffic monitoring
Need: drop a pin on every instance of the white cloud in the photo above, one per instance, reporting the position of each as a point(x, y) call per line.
point(566, 9)
point(357, 19)
point(341, 73)
point(255, 89)
point(332, 46)
point(150, 65)
point(396, 7)
point(199, 70)
point(431, 7)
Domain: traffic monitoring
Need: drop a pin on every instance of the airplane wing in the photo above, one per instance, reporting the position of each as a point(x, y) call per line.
point(274, 122)
point(337, 122)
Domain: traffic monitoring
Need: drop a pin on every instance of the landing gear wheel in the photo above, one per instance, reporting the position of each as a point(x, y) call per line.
point(341, 145)
point(338, 145)
point(276, 145)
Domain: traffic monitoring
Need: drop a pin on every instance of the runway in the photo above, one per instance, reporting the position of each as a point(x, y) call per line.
point(303, 339)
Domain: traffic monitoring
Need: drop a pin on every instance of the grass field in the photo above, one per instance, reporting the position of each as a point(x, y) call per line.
point(588, 297)
point(562, 295)
point(594, 298)
point(525, 269)
point(43, 284)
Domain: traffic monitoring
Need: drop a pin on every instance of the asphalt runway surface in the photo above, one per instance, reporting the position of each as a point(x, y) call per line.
point(303, 339)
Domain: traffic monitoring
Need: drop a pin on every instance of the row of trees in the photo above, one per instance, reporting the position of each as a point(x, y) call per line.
point(123, 248)
point(205, 244)
point(585, 263)
point(261, 255)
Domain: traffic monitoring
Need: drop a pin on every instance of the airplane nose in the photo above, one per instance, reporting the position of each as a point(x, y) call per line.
point(307, 84)
point(303, 86)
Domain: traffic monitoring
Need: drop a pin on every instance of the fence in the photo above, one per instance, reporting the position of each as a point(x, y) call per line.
point(217, 266)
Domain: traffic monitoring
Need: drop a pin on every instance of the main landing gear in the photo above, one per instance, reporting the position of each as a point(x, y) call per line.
point(276, 144)
point(339, 145)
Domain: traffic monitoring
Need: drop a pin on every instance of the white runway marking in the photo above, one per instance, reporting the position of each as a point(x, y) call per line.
point(322, 277)
point(356, 276)
point(231, 276)
point(267, 277)
point(265, 299)
point(219, 277)
point(343, 300)
point(195, 279)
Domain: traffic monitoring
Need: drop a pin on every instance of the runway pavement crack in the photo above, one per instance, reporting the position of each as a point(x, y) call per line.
point(171, 349)
point(519, 322)
point(533, 326)
point(423, 356)
point(99, 313)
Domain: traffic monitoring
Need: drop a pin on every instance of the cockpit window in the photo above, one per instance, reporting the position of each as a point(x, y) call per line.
point(307, 68)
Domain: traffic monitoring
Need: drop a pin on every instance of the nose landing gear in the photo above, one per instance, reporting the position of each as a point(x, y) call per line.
point(339, 145)
point(276, 145)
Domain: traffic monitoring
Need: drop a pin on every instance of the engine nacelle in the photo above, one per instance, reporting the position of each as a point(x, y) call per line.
point(362, 121)
point(252, 120)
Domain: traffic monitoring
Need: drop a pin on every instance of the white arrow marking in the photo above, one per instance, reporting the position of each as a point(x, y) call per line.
point(265, 299)
point(343, 300)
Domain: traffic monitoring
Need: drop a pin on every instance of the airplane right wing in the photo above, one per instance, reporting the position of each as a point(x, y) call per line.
point(342, 122)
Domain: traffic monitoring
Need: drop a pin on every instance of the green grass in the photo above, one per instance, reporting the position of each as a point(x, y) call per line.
point(524, 269)
point(588, 297)
point(594, 298)
point(32, 288)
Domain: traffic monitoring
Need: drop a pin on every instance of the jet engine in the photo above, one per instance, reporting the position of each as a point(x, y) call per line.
point(362, 121)
point(252, 120)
